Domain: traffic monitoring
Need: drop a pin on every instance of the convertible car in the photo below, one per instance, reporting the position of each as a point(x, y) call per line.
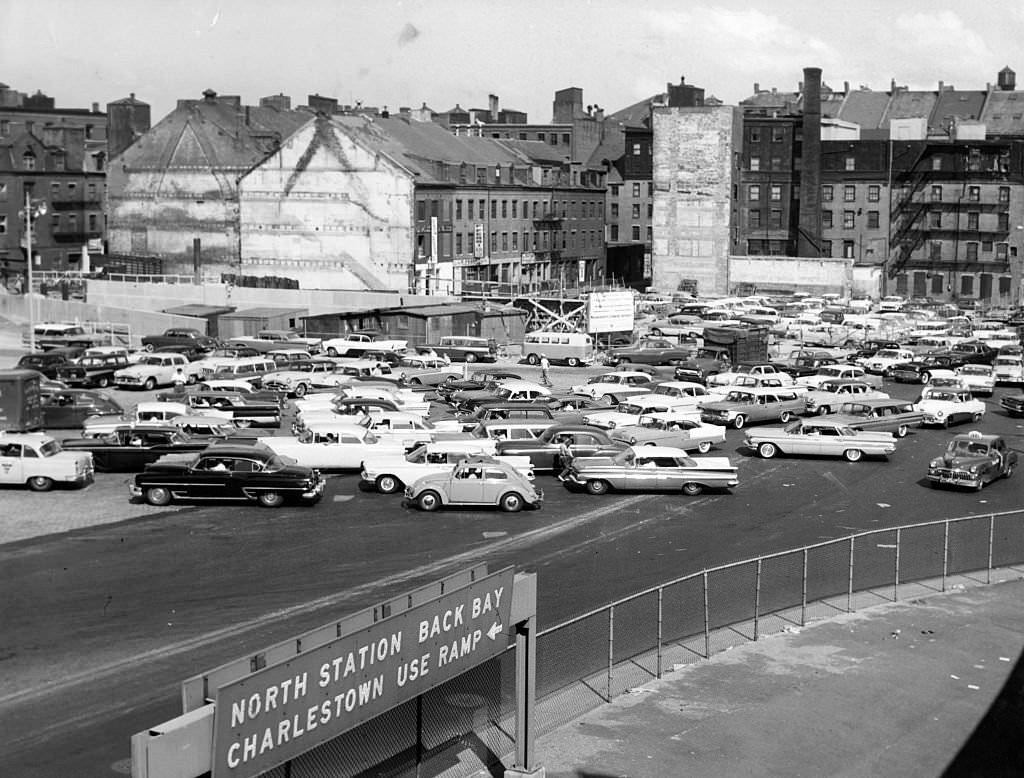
point(819, 437)
point(649, 468)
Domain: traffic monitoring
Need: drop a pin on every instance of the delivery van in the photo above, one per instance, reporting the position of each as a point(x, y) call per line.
point(570, 348)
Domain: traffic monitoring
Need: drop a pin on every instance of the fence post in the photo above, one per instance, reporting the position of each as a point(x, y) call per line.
point(757, 597)
point(849, 589)
point(803, 594)
point(707, 620)
point(660, 593)
point(991, 540)
point(896, 580)
point(945, 555)
point(611, 651)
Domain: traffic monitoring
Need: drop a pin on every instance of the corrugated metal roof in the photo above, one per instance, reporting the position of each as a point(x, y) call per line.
point(263, 313)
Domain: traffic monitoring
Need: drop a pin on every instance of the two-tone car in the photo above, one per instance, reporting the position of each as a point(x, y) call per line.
point(672, 430)
point(889, 415)
point(420, 370)
point(884, 360)
point(557, 444)
point(615, 386)
point(979, 380)
point(38, 461)
point(228, 472)
point(972, 460)
point(920, 371)
point(948, 405)
point(819, 437)
point(829, 395)
point(649, 468)
point(627, 412)
point(156, 370)
point(129, 448)
point(482, 482)
point(478, 379)
point(334, 446)
point(751, 406)
point(92, 370)
point(389, 474)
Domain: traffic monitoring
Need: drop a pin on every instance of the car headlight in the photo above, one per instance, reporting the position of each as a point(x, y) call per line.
point(939, 414)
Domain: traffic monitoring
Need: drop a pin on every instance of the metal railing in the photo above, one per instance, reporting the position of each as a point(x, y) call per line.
point(466, 725)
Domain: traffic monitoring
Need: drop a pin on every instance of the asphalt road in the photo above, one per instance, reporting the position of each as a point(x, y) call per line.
point(99, 625)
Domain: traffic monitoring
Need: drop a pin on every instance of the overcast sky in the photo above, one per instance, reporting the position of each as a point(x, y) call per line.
point(444, 52)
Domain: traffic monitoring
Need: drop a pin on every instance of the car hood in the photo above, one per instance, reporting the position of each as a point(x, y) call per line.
point(958, 462)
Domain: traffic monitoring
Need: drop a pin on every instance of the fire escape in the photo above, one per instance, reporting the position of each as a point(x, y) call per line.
point(907, 207)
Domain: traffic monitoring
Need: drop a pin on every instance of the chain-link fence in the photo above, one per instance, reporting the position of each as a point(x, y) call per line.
point(466, 726)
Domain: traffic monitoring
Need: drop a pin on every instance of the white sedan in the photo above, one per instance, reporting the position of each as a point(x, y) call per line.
point(342, 448)
point(947, 405)
point(978, 379)
point(615, 386)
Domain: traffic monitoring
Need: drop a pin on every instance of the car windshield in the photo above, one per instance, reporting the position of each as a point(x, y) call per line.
point(739, 397)
point(974, 370)
point(417, 456)
point(944, 396)
point(886, 353)
point(49, 448)
point(630, 408)
point(962, 446)
point(830, 371)
point(151, 361)
point(604, 379)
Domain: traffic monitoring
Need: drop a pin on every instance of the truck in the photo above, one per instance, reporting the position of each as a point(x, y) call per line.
point(20, 401)
point(722, 348)
point(180, 336)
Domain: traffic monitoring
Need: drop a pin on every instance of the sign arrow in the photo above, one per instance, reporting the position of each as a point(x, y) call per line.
point(494, 631)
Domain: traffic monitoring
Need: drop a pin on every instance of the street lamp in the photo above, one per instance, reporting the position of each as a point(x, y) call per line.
point(33, 210)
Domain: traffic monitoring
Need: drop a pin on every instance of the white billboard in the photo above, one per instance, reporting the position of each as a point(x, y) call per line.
point(610, 312)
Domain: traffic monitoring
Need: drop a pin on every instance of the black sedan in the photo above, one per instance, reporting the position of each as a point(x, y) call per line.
point(920, 370)
point(229, 472)
point(478, 380)
point(130, 448)
point(558, 443)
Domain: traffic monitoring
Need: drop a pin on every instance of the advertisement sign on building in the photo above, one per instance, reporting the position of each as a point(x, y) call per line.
point(478, 241)
point(286, 709)
point(433, 241)
point(610, 312)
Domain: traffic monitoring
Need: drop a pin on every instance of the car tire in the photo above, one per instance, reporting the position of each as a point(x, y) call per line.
point(656, 332)
point(150, 384)
point(300, 390)
point(511, 502)
point(388, 484)
point(901, 431)
point(785, 417)
point(1009, 471)
point(270, 499)
point(532, 359)
point(191, 379)
point(926, 377)
point(415, 382)
point(148, 347)
point(470, 357)
point(624, 360)
point(429, 501)
point(332, 352)
point(823, 409)
point(40, 483)
point(573, 362)
point(976, 417)
point(597, 486)
point(158, 495)
point(739, 422)
point(767, 450)
point(853, 454)
point(691, 489)
point(608, 399)
point(102, 382)
point(704, 446)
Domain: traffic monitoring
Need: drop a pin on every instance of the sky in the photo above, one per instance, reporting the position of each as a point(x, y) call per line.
point(442, 52)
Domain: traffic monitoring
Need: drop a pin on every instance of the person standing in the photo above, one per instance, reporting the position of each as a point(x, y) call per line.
point(179, 381)
point(544, 365)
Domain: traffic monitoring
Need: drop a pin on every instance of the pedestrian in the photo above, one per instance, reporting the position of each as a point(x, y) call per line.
point(179, 381)
point(544, 365)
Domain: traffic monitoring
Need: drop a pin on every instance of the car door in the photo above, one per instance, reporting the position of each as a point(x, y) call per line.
point(59, 411)
point(467, 484)
point(644, 474)
point(211, 478)
point(11, 469)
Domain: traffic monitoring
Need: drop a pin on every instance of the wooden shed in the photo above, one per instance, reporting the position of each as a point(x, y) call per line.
point(250, 321)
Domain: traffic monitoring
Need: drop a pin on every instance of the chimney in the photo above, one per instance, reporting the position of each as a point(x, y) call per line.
point(247, 117)
point(384, 113)
point(492, 104)
point(941, 85)
point(809, 237)
point(599, 113)
point(846, 87)
point(95, 107)
point(892, 85)
point(757, 88)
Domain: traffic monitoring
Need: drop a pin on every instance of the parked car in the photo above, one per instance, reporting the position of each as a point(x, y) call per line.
point(972, 460)
point(57, 335)
point(615, 386)
point(71, 408)
point(868, 348)
point(156, 370)
point(38, 461)
point(157, 411)
point(649, 468)
point(980, 380)
point(652, 351)
point(473, 482)
point(829, 395)
point(49, 363)
point(355, 344)
point(884, 360)
point(426, 371)
point(975, 352)
point(1013, 404)
point(465, 348)
point(477, 380)
point(557, 444)
point(888, 415)
point(228, 471)
point(89, 371)
point(919, 371)
point(390, 474)
point(180, 336)
point(334, 445)
point(819, 437)
point(672, 430)
point(129, 448)
point(1008, 369)
point(303, 378)
point(629, 411)
point(745, 406)
point(242, 410)
point(945, 406)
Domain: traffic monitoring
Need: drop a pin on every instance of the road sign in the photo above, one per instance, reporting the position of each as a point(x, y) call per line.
point(286, 709)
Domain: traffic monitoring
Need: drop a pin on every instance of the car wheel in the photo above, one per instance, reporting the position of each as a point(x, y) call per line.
point(690, 489)
point(608, 399)
point(573, 362)
point(704, 446)
point(532, 359)
point(270, 499)
point(148, 347)
point(1009, 471)
point(388, 484)
point(158, 495)
point(511, 502)
point(191, 379)
point(243, 423)
point(901, 431)
point(300, 390)
point(40, 483)
point(853, 454)
point(416, 382)
point(785, 417)
point(470, 357)
point(102, 382)
point(656, 332)
point(926, 377)
point(823, 409)
point(624, 360)
point(597, 486)
point(429, 501)
point(767, 450)
point(150, 384)
point(739, 422)
point(332, 352)
point(976, 418)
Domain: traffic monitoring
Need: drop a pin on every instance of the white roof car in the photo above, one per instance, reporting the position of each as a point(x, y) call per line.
point(629, 411)
point(341, 448)
point(389, 474)
point(38, 461)
point(615, 385)
point(979, 379)
point(945, 406)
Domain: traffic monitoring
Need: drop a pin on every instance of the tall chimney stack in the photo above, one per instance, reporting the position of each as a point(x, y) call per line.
point(809, 236)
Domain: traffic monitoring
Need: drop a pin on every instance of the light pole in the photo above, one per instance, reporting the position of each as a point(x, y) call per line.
point(33, 209)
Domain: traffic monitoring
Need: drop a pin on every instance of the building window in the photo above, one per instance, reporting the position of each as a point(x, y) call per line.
point(615, 233)
point(826, 248)
point(504, 209)
point(566, 139)
point(28, 161)
point(936, 163)
point(778, 135)
point(974, 193)
point(775, 219)
point(972, 252)
point(849, 194)
point(504, 241)
point(986, 246)
point(54, 190)
point(458, 243)
point(776, 163)
point(1004, 222)
point(3, 224)
point(5, 127)
point(650, 210)
point(554, 139)
point(494, 209)
point(826, 220)
point(972, 220)
point(755, 163)
point(515, 209)
point(847, 249)
point(636, 189)
point(872, 220)
point(614, 190)
point(515, 241)
point(937, 282)
point(754, 192)
point(935, 219)
point(775, 192)
point(936, 194)
point(754, 135)
point(754, 218)
point(494, 242)
point(481, 208)
point(851, 163)
point(615, 211)
point(874, 193)
point(1004, 194)
point(636, 149)
point(967, 285)
point(753, 247)
point(826, 193)
point(458, 209)
point(650, 233)
point(541, 137)
point(636, 210)
point(935, 250)
point(650, 189)
point(636, 233)
point(92, 222)
point(1001, 252)
point(849, 219)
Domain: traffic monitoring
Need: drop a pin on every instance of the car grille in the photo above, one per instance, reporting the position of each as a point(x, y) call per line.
point(948, 474)
point(129, 379)
point(1013, 403)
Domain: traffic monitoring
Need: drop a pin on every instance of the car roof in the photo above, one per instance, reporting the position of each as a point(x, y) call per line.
point(660, 451)
point(628, 373)
point(36, 438)
point(231, 448)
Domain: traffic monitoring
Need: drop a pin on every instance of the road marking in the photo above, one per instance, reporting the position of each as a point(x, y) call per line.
point(342, 497)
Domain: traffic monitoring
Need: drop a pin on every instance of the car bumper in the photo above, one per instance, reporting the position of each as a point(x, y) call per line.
point(956, 478)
